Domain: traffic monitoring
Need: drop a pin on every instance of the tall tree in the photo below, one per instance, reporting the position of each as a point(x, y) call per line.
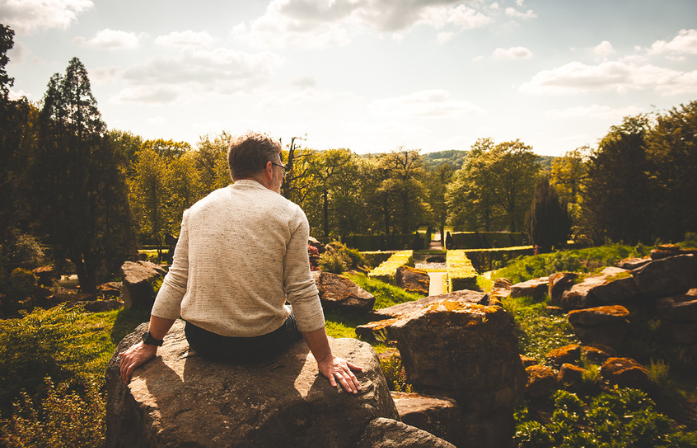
point(80, 178)
point(437, 180)
point(149, 194)
point(672, 154)
point(548, 221)
point(617, 195)
point(405, 169)
point(184, 188)
point(211, 161)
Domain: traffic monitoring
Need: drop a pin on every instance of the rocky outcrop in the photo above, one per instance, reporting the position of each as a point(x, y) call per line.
point(598, 353)
point(181, 400)
point(568, 354)
point(337, 292)
point(501, 288)
point(542, 381)
point(603, 325)
point(667, 276)
point(466, 351)
point(403, 309)
point(442, 417)
point(412, 280)
point(558, 284)
point(612, 286)
point(678, 317)
point(387, 433)
point(140, 283)
point(625, 372)
point(571, 377)
point(535, 288)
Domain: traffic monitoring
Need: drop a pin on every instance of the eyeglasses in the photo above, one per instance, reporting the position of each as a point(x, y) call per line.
point(283, 167)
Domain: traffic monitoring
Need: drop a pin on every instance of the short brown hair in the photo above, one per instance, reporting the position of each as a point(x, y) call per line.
point(249, 153)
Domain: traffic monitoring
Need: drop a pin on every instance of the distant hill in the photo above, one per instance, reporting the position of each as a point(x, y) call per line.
point(457, 158)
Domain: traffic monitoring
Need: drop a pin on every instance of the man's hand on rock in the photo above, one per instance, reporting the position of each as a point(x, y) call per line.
point(338, 370)
point(135, 357)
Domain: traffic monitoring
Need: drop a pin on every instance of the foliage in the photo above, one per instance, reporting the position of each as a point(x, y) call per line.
point(387, 270)
point(548, 222)
point(62, 419)
point(576, 260)
point(538, 331)
point(339, 258)
point(461, 273)
point(395, 374)
point(68, 345)
point(386, 295)
point(618, 418)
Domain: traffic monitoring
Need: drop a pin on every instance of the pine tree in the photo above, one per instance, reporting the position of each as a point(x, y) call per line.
point(548, 221)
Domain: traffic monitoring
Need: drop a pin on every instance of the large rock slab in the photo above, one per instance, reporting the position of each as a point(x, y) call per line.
point(535, 288)
point(542, 381)
point(412, 280)
point(387, 433)
point(179, 400)
point(625, 372)
point(140, 283)
point(602, 325)
point(501, 288)
point(681, 308)
point(403, 309)
point(667, 276)
point(442, 417)
point(337, 292)
point(613, 286)
point(466, 349)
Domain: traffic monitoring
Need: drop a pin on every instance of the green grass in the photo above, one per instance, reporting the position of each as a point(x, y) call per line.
point(386, 295)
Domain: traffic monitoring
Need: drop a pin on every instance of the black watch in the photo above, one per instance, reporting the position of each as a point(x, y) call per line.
point(150, 340)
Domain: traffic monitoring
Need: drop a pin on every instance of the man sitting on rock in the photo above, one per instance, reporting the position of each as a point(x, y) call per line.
point(242, 252)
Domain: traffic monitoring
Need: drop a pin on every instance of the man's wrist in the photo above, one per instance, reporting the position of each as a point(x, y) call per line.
point(148, 339)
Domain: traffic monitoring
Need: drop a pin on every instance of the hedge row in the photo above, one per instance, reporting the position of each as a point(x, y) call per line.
point(387, 269)
point(488, 259)
point(374, 258)
point(484, 240)
point(365, 243)
point(461, 274)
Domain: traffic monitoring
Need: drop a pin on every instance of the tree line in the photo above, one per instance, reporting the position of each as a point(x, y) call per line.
point(96, 194)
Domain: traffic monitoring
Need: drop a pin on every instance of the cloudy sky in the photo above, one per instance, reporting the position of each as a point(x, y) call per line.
point(368, 75)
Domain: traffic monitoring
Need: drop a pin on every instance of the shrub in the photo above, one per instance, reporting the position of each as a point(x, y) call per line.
point(62, 419)
point(313, 255)
point(395, 375)
point(334, 262)
point(387, 269)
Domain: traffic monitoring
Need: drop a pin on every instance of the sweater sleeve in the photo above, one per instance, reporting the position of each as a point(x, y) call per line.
point(168, 301)
point(300, 288)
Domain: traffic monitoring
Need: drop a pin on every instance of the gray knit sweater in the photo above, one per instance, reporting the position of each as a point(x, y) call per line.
point(242, 252)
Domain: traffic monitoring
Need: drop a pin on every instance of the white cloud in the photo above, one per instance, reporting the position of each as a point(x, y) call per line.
point(186, 39)
point(604, 48)
point(425, 104)
point(111, 40)
point(165, 79)
point(25, 16)
point(685, 42)
point(512, 53)
point(595, 111)
point(155, 120)
point(103, 75)
point(576, 77)
point(18, 94)
point(322, 24)
point(512, 12)
point(445, 37)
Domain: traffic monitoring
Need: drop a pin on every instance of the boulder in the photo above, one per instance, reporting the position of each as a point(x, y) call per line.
point(542, 381)
point(442, 417)
point(412, 280)
point(466, 349)
point(181, 400)
point(140, 281)
point(625, 372)
point(567, 354)
point(683, 333)
point(613, 286)
point(527, 361)
point(603, 325)
point(374, 331)
point(633, 263)
point(337, 292)
point(571, 377)
point(110, 289)
point(598, 353)
point(501, 289)
point(535, 288)
point(667, 276)
point(388, 433)
point(463, 296)
point(680, 308)
point(45, 275)
point(558, 284)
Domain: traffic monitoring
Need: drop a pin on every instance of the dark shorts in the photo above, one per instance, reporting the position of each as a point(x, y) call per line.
point(242, 350)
